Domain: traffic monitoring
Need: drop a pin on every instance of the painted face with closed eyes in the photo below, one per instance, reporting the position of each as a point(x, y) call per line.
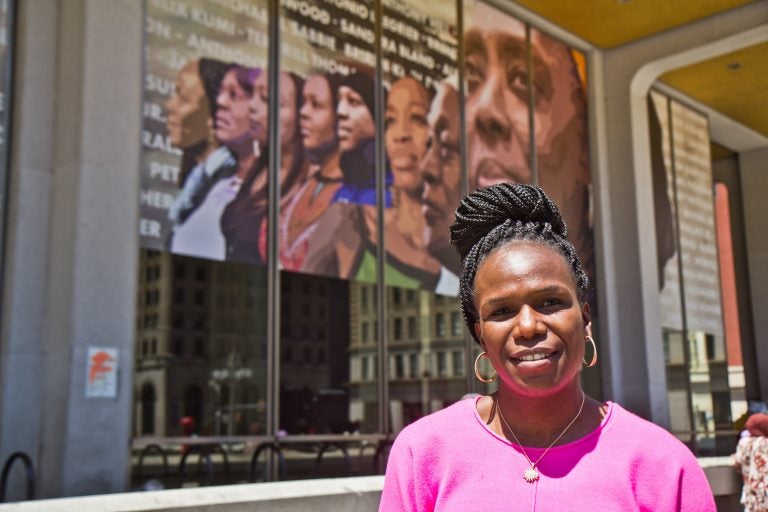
point(531, 325)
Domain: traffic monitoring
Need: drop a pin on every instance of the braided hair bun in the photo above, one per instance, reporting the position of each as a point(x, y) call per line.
point(490, 207)
point(494, 216)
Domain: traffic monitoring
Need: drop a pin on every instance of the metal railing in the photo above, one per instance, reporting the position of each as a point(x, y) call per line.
point(267, 449)
point(29, 471)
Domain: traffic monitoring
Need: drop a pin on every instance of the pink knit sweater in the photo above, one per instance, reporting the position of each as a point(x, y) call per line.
point(451, 461)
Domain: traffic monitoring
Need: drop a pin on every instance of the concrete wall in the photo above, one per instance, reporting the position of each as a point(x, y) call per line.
point(338, 494)
point(29, 212)
point(634, 369)
point(72, 241)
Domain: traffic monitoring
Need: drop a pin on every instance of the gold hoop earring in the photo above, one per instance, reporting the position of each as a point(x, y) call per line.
point(593, 362)
point(477, 370)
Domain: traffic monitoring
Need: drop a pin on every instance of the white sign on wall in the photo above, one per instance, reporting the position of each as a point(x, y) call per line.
point(101, 373)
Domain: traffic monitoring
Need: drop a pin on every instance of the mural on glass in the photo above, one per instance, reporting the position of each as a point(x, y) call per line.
point(202, 150)
point(204, 179)
point(419, 54)
point(425, 337)
point(328, 213)
point(201, 314)
point(500, 88)
point(496, 75)
point(562, 143)
point(328, 210)
point(328, 223)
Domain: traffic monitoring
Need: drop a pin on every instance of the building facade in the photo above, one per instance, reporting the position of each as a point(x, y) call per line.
point(358, 332)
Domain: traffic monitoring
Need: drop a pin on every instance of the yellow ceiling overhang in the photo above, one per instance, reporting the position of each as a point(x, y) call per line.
point(611, 23)
point(734, 84)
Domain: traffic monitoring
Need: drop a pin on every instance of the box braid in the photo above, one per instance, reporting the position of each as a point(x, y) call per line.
point(492, 216)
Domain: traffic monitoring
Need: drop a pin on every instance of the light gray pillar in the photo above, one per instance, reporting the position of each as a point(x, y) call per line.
point(633, 367)
point(25, 281)
point(73, 240)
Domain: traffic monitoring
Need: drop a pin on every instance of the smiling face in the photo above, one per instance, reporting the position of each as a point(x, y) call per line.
point(407, 131)
point(233, 124)
point(318, 113)
point(531, 322)
point(355, 121)
point(188, 109)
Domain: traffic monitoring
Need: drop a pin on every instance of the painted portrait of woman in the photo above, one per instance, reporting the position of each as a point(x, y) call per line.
point(351, 253)
point(406, 137)
point(244, 220)
point(190, 114)
point(200, 234)
point(501, 128)
point(317, 125)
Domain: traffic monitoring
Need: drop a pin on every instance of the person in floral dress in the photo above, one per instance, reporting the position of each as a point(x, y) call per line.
point(752, 458)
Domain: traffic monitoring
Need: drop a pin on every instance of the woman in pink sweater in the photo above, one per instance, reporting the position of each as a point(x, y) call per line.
point(538, 443)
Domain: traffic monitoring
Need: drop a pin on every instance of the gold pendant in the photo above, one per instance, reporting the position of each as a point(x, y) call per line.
point(531, 475)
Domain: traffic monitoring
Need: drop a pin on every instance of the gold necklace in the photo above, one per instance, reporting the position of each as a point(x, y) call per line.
point(532, 474)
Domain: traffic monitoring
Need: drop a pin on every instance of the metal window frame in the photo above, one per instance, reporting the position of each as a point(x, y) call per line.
point(7, 124)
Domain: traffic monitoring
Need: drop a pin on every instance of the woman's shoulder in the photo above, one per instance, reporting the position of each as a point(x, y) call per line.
point(648, 437)
point(664, 473)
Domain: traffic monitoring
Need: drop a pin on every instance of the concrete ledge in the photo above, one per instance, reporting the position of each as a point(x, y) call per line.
point(356, 494)
point(723, 477)
point(725, 482)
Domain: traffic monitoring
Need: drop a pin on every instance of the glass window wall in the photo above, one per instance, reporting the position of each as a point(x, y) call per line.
point(690, 284)
point(294, 336)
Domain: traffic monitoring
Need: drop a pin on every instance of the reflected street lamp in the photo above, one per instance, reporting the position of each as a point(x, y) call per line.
point(231, 374)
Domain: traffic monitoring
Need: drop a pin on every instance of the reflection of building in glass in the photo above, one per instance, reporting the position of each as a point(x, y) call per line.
point(363, 358)
point(199, 347)
point(426, 353)
point(692, 313)
point(314, 345)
